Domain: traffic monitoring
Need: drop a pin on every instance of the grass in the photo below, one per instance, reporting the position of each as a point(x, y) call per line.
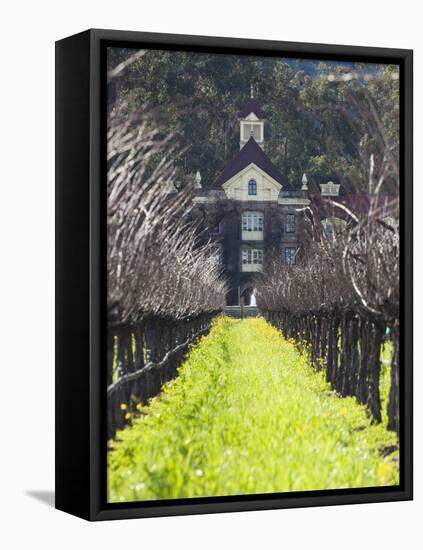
point(247, 415)
point(385, 378)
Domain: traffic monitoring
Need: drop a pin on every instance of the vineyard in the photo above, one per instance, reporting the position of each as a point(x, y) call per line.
point(304, 397)
point(341, 305)
point(249, 414)
point(163, 289)
point(342, 299)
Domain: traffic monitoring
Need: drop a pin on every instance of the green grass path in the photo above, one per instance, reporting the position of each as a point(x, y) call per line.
point(247, 415)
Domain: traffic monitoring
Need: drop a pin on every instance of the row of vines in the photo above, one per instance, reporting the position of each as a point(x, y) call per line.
point(342, 301)
point(163, 286)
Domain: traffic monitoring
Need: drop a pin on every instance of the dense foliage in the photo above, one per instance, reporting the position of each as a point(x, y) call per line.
point(248, 414)
point(313, 126)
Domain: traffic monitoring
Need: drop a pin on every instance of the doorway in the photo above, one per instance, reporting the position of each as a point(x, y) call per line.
point(248, 297)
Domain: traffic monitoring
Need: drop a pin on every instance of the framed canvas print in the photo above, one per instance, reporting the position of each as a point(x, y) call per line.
point(234, 274)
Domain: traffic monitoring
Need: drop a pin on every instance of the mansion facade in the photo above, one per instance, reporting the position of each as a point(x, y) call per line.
point(251, 212)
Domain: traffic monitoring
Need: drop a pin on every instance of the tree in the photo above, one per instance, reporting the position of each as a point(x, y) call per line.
point(312, 125)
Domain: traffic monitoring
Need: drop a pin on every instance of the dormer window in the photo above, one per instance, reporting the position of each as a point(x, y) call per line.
point(330, 189)
point(252, 187)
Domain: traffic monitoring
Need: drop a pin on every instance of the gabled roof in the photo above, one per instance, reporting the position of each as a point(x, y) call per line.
point(251, 153)
point(251, 106)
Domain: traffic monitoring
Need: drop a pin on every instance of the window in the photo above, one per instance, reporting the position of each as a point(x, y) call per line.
point(332, 226)
point(252, 221)
point(290, 255)
point(252, 256)
point(252, 187)
point(251, 130)
point(330, 189)
point(290, 223)
point(252, 259)
point(329, 230)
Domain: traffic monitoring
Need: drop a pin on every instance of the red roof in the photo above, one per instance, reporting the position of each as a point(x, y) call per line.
point(251, 153)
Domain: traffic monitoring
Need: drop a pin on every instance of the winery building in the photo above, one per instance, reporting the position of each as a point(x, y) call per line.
point(252, 211)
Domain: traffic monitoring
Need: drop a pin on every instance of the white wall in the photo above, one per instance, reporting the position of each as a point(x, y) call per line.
point(26, 226)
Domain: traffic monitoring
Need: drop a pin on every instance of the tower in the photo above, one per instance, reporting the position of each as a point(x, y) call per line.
point(251, 122)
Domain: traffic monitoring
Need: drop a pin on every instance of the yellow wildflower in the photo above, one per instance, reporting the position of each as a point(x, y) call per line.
point(383, 472)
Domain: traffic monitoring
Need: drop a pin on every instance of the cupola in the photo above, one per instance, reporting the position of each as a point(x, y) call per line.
point(251, 120)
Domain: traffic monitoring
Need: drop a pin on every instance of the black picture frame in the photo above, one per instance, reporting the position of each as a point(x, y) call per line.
point(81, 274)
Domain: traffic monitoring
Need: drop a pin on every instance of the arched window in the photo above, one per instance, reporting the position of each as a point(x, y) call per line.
point(252, 187)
